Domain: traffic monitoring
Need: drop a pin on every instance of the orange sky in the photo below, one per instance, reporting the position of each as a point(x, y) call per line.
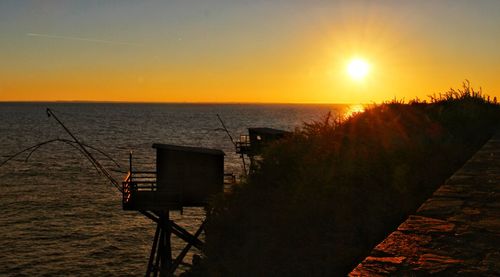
point(245, 51)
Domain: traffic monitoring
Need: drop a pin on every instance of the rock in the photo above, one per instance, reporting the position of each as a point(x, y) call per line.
point(433, 264)
point(425, 225)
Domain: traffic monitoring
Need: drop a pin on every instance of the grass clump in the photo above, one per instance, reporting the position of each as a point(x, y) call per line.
point(324, 196)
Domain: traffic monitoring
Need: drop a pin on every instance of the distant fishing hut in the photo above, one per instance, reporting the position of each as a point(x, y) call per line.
point(253, 144)
point(184, 177)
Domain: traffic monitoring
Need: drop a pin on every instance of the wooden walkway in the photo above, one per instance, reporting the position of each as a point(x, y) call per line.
point(454, 233)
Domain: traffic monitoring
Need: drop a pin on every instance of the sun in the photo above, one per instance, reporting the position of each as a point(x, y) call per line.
point(358, 69)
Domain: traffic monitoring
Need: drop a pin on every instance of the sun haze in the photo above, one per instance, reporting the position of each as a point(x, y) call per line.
point(358, 69)
point(245, 51)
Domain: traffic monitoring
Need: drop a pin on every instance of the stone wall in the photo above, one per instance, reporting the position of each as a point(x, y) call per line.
point(456, 232)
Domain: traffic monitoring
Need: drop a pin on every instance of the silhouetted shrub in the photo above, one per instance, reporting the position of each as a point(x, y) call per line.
point(323, 197)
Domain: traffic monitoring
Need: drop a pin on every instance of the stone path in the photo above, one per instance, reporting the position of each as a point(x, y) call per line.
point(454, 233)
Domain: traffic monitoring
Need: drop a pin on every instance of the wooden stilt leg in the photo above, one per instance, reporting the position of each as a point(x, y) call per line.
point(159, 252)
point(160, 259)
point(153, 251)
point(166, 249)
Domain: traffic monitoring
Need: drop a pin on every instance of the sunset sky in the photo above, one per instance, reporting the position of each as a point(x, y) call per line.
point(245, 51)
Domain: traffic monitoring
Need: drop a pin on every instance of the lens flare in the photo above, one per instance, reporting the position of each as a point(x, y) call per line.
point(358, 69)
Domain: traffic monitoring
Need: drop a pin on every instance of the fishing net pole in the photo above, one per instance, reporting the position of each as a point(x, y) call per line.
point(86, 153)
point(78, 145)
point(224, 128)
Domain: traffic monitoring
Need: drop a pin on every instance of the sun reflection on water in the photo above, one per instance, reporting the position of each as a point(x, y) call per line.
point(354, 109)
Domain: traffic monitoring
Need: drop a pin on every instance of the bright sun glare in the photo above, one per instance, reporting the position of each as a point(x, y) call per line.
point(358, 69)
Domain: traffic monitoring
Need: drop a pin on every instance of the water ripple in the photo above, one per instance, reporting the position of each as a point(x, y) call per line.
point(60, 218)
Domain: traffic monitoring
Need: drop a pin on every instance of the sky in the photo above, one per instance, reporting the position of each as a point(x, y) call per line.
point(245, 51)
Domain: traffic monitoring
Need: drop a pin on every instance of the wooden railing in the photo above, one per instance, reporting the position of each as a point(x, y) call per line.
point(243, 145)
point(137, 181)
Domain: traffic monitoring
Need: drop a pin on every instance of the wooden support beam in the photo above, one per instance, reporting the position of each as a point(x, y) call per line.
point(186, 236)
point(151, 216)
point(165, 246)
point(184, 251)
point(160, 259)
point(153, 252)
point(158, 254)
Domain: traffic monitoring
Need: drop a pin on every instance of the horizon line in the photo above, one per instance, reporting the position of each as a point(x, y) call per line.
point(176, 102)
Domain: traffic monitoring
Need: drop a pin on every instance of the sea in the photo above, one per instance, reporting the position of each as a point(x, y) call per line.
point(60, 217)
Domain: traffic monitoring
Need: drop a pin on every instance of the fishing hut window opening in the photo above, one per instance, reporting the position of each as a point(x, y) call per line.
point(244, 139)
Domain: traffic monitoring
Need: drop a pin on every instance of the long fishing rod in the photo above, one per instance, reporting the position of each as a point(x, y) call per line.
point(89, 156)
point(233, 142)
point(35, 147)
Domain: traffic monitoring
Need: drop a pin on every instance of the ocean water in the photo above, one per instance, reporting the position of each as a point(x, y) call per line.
point(59, 217)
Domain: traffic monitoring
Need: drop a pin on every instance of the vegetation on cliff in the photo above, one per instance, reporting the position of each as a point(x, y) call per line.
point(325, 195)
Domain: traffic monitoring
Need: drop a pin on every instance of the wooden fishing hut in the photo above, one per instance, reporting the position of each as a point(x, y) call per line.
point(257, 138)
point(184, 177)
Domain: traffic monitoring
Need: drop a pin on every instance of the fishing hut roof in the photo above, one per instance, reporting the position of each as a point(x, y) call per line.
point(270, 131)
point(200, 150)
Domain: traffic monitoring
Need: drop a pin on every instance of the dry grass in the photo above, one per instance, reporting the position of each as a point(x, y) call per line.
point(323, 197)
